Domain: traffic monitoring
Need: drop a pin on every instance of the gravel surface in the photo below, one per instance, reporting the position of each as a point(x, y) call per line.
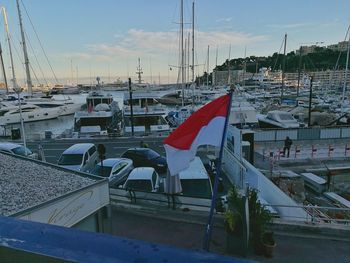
point(24, 184)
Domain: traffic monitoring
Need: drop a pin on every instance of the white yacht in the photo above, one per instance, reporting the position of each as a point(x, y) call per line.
point(278, 119)
point(10, 114)
point(102, 116)
point(150, 119)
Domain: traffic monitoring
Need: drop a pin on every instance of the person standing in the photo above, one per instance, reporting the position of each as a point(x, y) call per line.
point(143, 144)
point(287, 144)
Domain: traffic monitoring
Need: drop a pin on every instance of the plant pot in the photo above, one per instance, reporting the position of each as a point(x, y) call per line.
point(258, 247)
point(235, 244)
point(268, 243)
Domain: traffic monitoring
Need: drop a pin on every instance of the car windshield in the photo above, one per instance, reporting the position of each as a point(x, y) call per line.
point(152, 154)
point(104, 171)
point(20, 150)
point(70, 159)
point(139, 185)
point(196, 188)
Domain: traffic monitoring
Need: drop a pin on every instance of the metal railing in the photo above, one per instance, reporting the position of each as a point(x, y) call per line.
point(317, 214)
point(159, 199)
point(313, 133)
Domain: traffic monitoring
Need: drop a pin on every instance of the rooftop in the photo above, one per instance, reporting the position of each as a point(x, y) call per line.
point(26, 183)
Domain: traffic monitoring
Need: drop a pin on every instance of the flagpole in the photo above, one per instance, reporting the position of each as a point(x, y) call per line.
point(208, 229)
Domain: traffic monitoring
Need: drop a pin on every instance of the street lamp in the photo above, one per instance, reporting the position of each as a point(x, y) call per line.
point(18, 90)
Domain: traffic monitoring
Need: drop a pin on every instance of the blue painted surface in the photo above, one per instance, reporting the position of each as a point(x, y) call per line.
point(76, 245)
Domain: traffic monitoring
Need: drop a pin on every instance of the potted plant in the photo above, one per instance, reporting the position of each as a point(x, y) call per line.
point(259, 218)
point(234, 223)
point(269, 243)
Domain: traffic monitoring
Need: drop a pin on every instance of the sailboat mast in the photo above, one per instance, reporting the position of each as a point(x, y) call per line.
point(192, 41)
point(182, 52)
point(346, 69)
point(245, 65)
point(188, 59)
point(283, 65)
point(228, 67)
point(14, 81)
point(3, 70)
point(216, 65)
point(208, 68)
point(26, 60)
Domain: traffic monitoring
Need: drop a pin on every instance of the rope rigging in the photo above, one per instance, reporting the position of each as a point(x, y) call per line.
point(40, 43)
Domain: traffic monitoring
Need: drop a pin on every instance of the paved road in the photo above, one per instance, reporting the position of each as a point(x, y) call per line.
point(114, 146)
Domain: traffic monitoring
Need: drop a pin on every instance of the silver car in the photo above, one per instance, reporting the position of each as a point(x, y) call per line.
point(116, 169)
point(17, 149)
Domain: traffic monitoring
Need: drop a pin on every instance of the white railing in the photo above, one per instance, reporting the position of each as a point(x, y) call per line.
point(318, 214)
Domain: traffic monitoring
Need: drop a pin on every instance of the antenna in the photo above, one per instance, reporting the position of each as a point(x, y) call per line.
point(139, 72)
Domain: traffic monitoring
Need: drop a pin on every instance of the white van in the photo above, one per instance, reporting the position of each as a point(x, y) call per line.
point(79, 157)
point(195, 181)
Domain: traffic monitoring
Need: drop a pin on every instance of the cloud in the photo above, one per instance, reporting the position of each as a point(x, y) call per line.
point(224, 19)
point(290, 26)
point(136, 43)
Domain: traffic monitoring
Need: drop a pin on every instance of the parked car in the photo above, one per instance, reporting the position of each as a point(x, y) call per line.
point(144, 179)
point(115, 169)
point(17, 149)
point(79, 157)
point(195, 181)
point(145, 157)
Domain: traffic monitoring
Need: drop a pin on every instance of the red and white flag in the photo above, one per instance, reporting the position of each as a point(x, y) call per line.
point(203, 127)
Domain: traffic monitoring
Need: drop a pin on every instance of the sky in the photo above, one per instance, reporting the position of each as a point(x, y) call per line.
point(84, 39)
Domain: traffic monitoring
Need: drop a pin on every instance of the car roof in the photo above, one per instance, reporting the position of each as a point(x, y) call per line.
point(78, 148)
point(9, 145)
point(139, 149)
point(144, 173)
point(196, 170)
point(110, 162)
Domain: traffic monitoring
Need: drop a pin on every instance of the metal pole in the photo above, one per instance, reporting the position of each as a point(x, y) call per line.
point(208, 68)
point(310, 98)
point(14, 81)
point(3, 70)
point(26, 60)
point(131, 109)
point(346, 70)
point(22, 124)
point(299, 70)
point(208, 229)
point(283, 65)
point(192, 41)
point(182, 54)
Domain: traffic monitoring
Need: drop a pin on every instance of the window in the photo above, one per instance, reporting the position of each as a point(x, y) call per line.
point(105, 171)
point(139, 185)
point(196, 188)
point(86, 157)
point(92, 150)
point(152, 154)
point(70, 159)
point(119, 167)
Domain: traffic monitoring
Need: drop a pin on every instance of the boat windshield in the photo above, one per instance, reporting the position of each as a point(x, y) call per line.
point(286, 117)
point(139, 185)
point(70, 159)
point(104, 171)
